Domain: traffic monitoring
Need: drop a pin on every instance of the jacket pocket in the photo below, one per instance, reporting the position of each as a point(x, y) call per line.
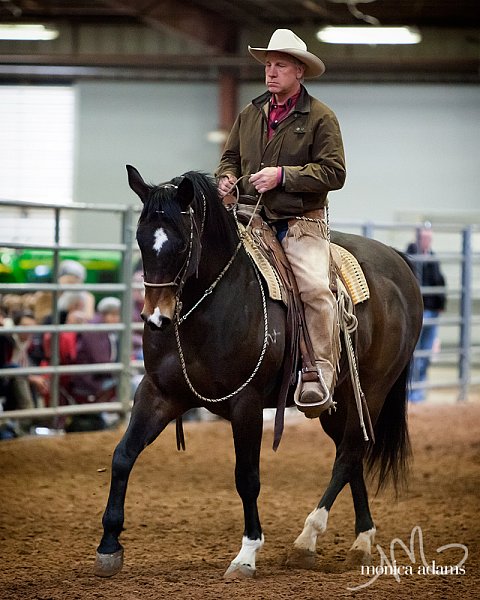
point(284, 203)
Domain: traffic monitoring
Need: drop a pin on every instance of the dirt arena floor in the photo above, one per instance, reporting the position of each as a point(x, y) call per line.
point(184, 519)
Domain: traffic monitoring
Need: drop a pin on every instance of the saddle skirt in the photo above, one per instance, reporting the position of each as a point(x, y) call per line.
point(260, 243)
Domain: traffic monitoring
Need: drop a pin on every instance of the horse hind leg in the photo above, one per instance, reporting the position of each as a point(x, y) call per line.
point(361, 551)
point(303, 554)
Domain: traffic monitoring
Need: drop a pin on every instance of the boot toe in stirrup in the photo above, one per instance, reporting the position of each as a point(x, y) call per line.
point(313, 403)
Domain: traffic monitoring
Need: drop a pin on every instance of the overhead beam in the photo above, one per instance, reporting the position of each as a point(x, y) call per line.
point(213, 66)
point(201, 25)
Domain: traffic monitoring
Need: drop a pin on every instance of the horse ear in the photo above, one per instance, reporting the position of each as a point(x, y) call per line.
point(185, 193)
point(135, 181)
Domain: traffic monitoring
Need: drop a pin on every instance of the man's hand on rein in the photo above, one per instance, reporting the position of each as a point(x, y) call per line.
point(266, 179)
point(225, 184)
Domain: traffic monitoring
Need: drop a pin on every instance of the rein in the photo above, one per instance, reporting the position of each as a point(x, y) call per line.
point(262, 353)
point(179, 282)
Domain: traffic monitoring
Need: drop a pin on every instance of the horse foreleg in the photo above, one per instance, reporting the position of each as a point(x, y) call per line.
point(247, 435)
point(361, 551)
point(150, 415)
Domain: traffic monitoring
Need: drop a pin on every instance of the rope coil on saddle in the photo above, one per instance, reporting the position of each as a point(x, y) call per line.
point(349, 324)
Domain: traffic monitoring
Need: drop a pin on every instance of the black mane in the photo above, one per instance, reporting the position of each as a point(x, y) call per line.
point(163, 197)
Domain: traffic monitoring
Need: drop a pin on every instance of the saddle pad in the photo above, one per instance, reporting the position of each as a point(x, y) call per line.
point(267, 271)
point(353, 275)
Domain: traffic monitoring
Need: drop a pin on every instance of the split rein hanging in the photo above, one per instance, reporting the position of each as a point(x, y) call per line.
point(179, 282)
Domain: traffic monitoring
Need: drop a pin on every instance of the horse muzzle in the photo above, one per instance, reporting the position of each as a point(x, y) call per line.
point(159, 313)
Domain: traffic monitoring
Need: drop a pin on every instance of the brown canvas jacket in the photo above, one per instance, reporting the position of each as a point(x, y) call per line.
point(307, 143)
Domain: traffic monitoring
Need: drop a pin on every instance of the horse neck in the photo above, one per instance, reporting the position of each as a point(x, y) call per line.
point(217, 248)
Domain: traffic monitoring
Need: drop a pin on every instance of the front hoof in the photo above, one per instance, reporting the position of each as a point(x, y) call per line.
point(358, 558)
point(239, 571)
point(107, 565)
point(300, 558)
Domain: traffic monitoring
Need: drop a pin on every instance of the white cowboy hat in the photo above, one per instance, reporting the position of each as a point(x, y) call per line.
point(284, 40)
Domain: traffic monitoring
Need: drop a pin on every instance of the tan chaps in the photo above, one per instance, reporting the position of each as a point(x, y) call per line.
point(308, 251)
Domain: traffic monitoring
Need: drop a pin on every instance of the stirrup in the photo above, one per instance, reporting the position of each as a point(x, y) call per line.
point(327, 402)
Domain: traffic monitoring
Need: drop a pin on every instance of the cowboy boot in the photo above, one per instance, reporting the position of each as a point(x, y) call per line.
point(316, 392)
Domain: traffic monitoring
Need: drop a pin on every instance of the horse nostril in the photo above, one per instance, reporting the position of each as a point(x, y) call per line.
point(144, 317)
point(153, 326)
point(165, 322)
point(156, 322)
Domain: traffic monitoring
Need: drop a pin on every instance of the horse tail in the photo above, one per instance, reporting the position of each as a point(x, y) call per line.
point(388, 459)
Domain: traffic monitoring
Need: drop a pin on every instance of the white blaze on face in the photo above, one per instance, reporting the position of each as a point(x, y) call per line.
point(160, 238)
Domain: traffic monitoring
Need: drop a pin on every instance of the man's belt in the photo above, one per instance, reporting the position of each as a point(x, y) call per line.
point(318, 213)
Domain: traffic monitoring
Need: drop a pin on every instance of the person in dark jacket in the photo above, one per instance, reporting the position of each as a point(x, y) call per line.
point(97, 347)
point(429, 274)
point(287, 147)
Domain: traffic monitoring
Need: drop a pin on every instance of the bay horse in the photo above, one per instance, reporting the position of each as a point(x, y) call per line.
point(212, 338)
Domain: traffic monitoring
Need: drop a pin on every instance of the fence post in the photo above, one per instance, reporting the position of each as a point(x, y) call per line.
point(466, 314)
point(126, 339)
point(368, 229)
point(54, 338)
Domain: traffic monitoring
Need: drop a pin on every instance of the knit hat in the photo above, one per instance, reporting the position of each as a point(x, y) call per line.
point(109, 304)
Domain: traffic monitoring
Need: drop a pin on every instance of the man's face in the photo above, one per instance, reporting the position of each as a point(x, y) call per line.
point(425, 240)
point(282, 74)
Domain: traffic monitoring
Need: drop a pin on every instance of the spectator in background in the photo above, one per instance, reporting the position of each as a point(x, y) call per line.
point(69, 272)
point(27, 390)
point(429, 274)
point(96, 347)
point(138, 299)
point(24, 391)
point(7, 430)
point(72, 306)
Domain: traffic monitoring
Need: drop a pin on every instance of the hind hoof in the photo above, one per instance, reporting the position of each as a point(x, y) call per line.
point(301, 559)
point(107, 565)
point(358, 558)
point(238, 571)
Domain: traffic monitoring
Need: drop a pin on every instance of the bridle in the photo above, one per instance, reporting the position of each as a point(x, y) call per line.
point(179, 282)
point(181, 277)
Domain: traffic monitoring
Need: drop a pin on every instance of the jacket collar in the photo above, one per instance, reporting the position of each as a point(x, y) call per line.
point(302, 105)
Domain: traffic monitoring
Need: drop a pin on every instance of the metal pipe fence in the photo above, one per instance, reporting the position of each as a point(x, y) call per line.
point(123, 289)
point(465, 352)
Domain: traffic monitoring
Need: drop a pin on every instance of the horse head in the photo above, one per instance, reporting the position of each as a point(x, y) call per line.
point(168, 241)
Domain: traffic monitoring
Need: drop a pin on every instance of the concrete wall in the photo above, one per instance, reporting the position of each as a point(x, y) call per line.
point(160, 128)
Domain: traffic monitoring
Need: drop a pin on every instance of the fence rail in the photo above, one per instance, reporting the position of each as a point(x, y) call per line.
point(123, 289)
point(464, 352)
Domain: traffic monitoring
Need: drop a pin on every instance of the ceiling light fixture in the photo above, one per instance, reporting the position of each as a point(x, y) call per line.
point(369, 35)
point(27, 31)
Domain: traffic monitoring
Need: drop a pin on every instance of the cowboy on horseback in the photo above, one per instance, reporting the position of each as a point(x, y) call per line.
point(290, 146)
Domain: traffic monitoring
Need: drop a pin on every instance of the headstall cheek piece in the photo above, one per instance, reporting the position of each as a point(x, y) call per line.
point(180, 278)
